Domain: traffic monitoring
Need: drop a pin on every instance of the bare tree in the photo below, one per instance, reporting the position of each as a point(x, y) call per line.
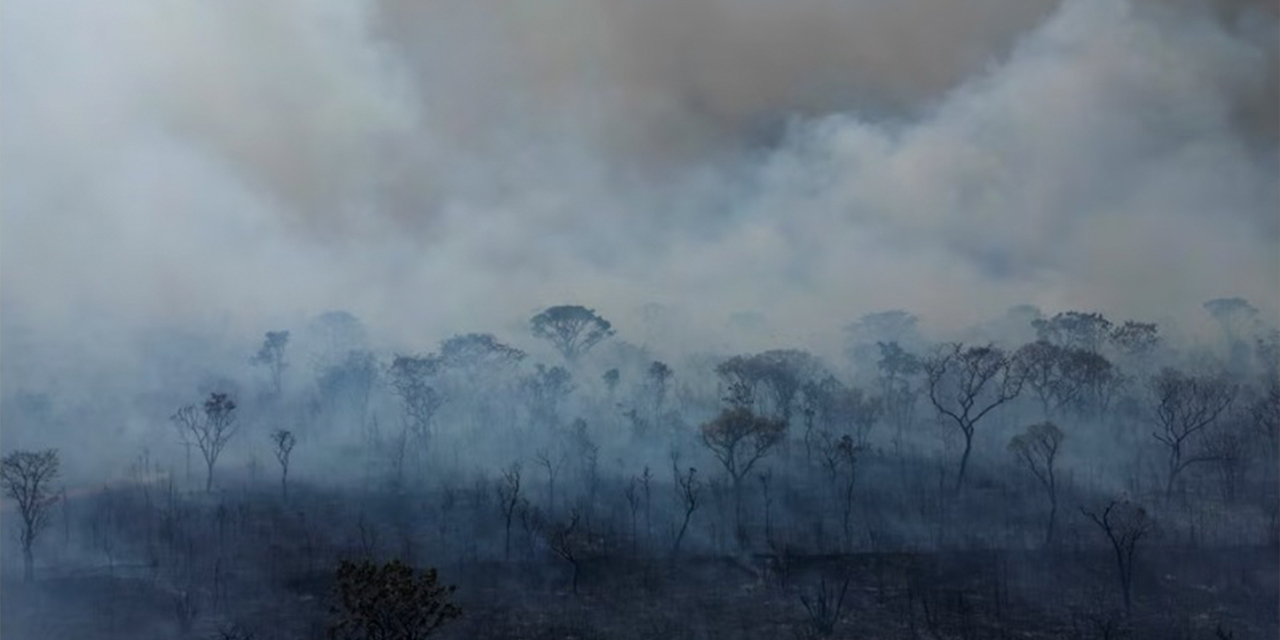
point(1184, 406)
point(271, 356)
point(688, 490)
point(823, 607)
point(1036, 449)
point(1125, 525)
point(569, 543)
point(508, 498)
point(283, 440)
point(839, 459)
point(967, 384)
point(738, 438)
point(552, 463)
point(211, 430)
point(573, 330)
point(27, 477)
point(632, 494)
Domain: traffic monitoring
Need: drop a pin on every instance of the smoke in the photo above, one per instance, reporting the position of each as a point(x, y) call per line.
point(442, 166)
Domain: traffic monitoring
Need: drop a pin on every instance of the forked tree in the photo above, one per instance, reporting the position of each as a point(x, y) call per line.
point(283, 440)
point(1125, 524)
point(508, 498)
point(1036, 449)
point(1184, 407)
point(739, 438)
point(688, 490)
point(27, 477)
point(209, 429)
point(966, 384)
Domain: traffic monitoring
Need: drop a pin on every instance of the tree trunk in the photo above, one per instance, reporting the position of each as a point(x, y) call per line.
point(1053, 514)
point(964, 460)
point(208, 477)
point(738, 533)
point(28, 562)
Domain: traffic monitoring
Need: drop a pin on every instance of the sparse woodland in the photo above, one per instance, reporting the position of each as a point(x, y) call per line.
point(1068, 476)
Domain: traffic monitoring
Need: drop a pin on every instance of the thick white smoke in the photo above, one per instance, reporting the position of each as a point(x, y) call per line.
point(447, 166)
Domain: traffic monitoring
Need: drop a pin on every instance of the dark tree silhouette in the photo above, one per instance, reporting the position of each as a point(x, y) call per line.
point(839, 457)
point(1036, 449)
point(283, 440)
point(1136, 339)
point(1184, 406)
point(271, 356)
point(27, 478)
point(571, 543)
point(389, 602)
point(768, 382)
point(1125, 525)
point(508, 498)
point(738, 438)
point(967, 384)
point(1047, 370)
point(210, 430)
point(1076, 329)
point(573, 330)
point(688, 490)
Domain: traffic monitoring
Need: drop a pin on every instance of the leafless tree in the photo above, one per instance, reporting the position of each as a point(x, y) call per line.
point(1125, 525)
point(967, 384)
point(508, 498)
point(283, 440)
point(1056, 375)
point(688, 490)
point(210, 430)
point(646, 480)
point(632, 494)
point(1036, 449)
point(532, 522)
point(27, 477)
point(1185, 406)
point(839, 457)
point(739, 438)
point(569, 543)
point(823, 607)
point(552, 462)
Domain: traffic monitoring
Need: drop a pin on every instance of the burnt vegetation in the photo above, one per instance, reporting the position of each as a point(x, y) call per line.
point(1095, 481)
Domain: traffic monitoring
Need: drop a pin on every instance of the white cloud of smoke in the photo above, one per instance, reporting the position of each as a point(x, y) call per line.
point(445, 166)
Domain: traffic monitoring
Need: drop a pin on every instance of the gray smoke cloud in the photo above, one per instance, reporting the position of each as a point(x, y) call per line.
point(447, 166)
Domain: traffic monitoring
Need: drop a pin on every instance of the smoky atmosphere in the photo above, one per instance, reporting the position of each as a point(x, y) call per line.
point(639, 319)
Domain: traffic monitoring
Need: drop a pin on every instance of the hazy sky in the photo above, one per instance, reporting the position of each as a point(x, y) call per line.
point(438, 166)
